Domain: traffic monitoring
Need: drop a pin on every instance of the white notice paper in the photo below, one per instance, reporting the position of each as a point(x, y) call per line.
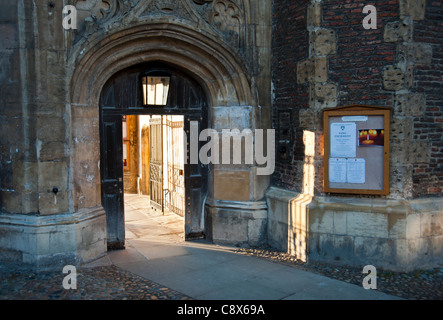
point(337, 170)
point(356, 170)
point(343, 140)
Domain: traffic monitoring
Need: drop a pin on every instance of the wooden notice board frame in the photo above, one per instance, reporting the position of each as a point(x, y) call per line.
point(356, 146)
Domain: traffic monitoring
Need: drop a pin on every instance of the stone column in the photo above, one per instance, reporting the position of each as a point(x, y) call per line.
point(236, 210)
point(39, 225)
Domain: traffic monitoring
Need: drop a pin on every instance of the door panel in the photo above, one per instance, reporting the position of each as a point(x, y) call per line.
point(196, 182)
point(112, 179)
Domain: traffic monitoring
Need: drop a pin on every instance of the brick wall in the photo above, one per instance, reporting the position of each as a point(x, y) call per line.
point(289, 45)
point(428, 80)
point(361, 54)
point(398, 65)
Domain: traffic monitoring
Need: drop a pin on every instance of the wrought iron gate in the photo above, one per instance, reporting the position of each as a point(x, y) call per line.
point(156, 163)
point(167, 169)
point(175, 192)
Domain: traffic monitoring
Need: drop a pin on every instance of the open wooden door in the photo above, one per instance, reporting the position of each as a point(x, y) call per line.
point(196, 182)
point(188, 186)
point(111, 167)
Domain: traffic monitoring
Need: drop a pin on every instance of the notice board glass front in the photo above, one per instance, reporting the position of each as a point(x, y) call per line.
point(357, 150)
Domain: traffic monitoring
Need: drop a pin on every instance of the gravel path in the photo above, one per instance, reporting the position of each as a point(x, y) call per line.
point(417, 285)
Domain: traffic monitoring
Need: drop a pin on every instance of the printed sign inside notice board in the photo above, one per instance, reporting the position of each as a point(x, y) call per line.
point(357, 150)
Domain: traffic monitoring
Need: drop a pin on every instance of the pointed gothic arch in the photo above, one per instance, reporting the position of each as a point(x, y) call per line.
point(221, 73)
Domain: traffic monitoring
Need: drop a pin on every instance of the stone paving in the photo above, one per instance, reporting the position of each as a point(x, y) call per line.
point(416, 285)
point(104, 281)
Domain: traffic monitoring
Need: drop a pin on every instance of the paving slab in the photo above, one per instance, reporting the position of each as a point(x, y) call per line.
point(205, 271)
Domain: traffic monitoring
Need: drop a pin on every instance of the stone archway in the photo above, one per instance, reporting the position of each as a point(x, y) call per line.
point(221, 73)
point(224, 79)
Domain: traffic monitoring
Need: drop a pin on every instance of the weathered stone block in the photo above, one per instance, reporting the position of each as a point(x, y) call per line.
point(413, 8)
point(343, 248)
point(419, 251)
point(413, 225)
point(375, 251)
point(323, 95)
point(323, 42)
point(312, 70)
point(24, 175)
point(234, 117)
point(398, 31)
point(394, 78)
point(397, 225)
point(365, 224)
point(52, 174)
point(87, 188)
point(50, 204)
point(51, 242)
point(232, 226)
point(410, 104)
point(321, 221)
point(50, 128)
point(400, 179)
point(314, 14)
point(52, 151)
point(431, 224)
point(232, 185)
point(50, 109)
point(12, 201)
point(416, 53)
point(401, 129)
point(340, 223)
point(309, 119)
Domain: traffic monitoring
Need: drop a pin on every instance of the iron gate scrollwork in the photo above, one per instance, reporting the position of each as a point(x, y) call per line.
point(156, 163)
point(175, 192)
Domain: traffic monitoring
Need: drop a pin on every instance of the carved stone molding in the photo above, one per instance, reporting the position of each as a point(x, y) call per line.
point(226, 17)
point(93, 13)
point(104, 10)
point(167, 7)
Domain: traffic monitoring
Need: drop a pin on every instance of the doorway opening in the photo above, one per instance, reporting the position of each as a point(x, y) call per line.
point(153, 171)
point(154, 160)
point(164, 119)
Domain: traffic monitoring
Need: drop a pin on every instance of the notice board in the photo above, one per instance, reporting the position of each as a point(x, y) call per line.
point(356, 156)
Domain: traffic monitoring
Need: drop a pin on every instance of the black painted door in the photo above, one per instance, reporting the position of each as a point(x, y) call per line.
point(122, 95)
point(196, 181)
point(111, 167)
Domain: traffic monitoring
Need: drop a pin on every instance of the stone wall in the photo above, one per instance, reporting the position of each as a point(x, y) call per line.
point(51, 80)
point(389, 234)
point(338, 63)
